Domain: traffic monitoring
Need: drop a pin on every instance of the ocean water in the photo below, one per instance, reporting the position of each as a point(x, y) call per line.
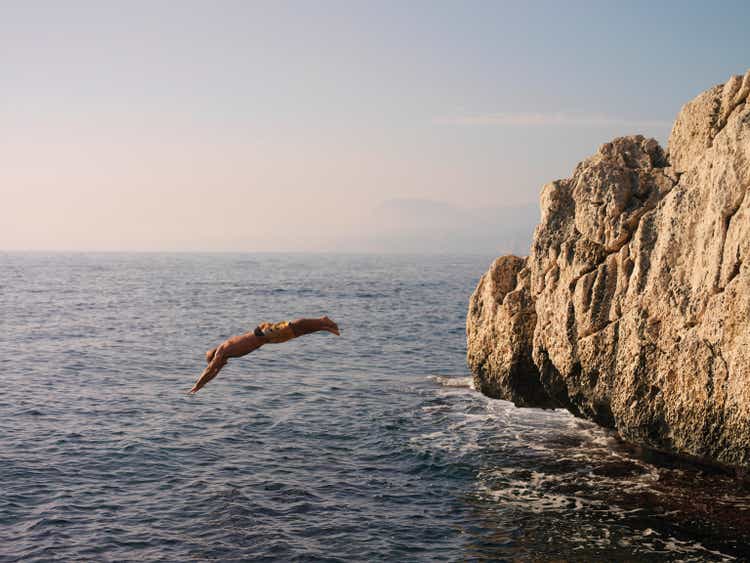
point(367, 447)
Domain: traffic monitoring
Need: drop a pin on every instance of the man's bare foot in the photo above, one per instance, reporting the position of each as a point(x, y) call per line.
point(331, 326)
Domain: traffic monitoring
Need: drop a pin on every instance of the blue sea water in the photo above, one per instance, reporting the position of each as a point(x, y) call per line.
point(371, 446)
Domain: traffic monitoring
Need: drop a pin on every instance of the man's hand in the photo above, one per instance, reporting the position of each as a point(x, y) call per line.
point(205, 377)
point(209, 373)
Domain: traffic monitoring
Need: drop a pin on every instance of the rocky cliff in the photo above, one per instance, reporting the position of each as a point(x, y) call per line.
point(632, 307)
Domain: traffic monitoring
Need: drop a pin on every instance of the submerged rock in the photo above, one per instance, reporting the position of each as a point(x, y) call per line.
point(631, 309)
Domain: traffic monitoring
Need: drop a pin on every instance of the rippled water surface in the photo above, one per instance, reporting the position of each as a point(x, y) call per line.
point(371, 446)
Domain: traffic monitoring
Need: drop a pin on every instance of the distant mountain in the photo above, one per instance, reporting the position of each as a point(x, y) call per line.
point(423, 225)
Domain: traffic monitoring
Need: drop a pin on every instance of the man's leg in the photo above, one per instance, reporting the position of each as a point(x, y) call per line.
point(308, 326)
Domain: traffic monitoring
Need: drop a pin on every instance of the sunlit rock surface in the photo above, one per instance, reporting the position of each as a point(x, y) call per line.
point(632, 307)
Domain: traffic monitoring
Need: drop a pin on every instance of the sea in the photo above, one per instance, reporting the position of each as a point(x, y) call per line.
point(371, 446)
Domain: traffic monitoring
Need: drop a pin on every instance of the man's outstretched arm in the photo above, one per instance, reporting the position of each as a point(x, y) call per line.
point(233, 347)
point(211, 371)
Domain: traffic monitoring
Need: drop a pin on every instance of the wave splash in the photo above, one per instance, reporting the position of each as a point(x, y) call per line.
point(453, 381)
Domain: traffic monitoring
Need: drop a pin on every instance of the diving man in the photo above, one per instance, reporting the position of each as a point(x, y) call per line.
point(264, 333)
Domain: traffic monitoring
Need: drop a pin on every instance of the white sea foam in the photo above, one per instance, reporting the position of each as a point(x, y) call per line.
point(453, 381)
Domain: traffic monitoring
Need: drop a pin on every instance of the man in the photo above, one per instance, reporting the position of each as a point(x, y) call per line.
point(264, 333)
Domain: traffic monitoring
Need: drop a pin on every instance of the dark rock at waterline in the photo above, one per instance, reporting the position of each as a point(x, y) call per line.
point(632, 308)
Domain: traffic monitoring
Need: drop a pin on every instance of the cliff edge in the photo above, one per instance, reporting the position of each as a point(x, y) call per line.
point(632, 307)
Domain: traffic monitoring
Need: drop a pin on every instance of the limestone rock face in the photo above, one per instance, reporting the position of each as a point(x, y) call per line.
point(501, 327)
point(632, 307)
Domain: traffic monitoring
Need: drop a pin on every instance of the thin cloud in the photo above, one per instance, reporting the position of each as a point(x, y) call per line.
point(562, 119)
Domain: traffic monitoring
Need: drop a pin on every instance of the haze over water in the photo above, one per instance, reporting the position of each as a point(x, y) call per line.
point(366, 447)
point(344, 125)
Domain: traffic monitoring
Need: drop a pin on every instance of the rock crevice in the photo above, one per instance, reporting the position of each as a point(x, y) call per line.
point(631, 308)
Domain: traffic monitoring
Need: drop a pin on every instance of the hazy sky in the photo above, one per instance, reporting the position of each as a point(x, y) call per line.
point(328, 125)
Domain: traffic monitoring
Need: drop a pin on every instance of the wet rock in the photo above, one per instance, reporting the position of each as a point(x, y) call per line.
point(631, 309)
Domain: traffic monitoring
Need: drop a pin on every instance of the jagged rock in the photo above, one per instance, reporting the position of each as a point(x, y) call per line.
point(703, 118)
point(631, 307)
point(502, 320)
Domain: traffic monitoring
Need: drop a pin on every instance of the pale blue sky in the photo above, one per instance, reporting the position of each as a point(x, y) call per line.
point(322, 125)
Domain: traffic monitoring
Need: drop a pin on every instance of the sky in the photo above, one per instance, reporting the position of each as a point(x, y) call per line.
point(333, 126)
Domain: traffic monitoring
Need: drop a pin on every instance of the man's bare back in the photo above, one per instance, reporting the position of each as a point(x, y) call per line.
point(265, 333)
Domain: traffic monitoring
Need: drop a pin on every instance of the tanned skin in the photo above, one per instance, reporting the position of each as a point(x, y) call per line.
point(243, 344)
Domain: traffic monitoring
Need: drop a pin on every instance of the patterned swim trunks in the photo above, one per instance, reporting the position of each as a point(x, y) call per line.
point(275, 333)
